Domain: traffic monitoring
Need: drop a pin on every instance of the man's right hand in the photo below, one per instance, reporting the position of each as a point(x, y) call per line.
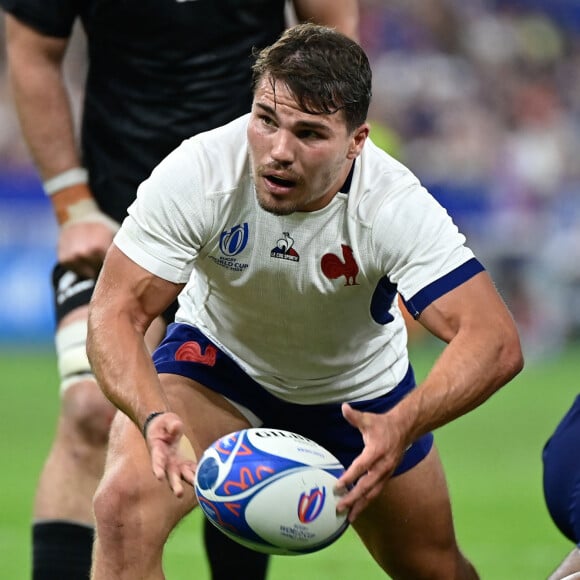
point(172, 456)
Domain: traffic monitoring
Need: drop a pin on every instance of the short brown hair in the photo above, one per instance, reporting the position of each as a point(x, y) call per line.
point(323, 69)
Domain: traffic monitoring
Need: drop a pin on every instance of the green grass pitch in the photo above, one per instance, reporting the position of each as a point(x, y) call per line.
point(492, 458)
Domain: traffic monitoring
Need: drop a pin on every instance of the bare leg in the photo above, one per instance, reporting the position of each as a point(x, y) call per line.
point(62, 515)
point(409, 528)
point(63, 510)
point(76, 459)
point(75, 462)
point(134, 511)
point(569, 569)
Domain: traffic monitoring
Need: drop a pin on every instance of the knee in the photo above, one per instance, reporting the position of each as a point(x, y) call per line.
point(121, 526)
point(87, 414)
point(116, 504)
point(131, 508)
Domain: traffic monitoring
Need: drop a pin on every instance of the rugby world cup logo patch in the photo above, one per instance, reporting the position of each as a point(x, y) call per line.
point(234, 240)
point(310, 505)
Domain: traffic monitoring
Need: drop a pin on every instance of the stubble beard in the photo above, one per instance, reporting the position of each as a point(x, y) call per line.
point(274, 208)
point(267, 201)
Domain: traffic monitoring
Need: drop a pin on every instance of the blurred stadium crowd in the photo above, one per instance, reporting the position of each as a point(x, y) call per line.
point(481, 99)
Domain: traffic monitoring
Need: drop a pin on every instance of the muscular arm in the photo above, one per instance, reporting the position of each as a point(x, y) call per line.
point(483, 353)
point(42, 102)
point(340, 14)
point(126, 300)
point(45, 113)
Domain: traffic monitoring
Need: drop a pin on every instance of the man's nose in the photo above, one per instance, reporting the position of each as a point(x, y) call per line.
point(282, 147)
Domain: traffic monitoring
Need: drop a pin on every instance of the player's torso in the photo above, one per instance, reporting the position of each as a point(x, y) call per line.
point(306, 303)
point(153, 39)
point(303, 267)
point(161, 71)
point(304, 291)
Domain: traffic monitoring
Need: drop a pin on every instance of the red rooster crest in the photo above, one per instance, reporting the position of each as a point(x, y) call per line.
point(333, 267)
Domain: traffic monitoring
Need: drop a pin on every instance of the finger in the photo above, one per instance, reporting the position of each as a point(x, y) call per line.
point(352, 415)
point(188, 473)
point(355, 501)
point(159, 461)
point(346, 411)
point(357, 482)
point(351, 506)
point(347, 500)
point(357, 469)
point(174, 478)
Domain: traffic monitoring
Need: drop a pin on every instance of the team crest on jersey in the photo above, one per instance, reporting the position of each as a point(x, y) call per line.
point(285, 249)
point(232, 243)
point(333, 267)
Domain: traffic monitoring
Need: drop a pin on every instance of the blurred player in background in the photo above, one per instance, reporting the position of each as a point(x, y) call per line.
point(158, 72)
point(292, 234)
point(561, 462)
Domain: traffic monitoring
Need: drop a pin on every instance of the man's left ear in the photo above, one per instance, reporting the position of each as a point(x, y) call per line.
point(358, 140)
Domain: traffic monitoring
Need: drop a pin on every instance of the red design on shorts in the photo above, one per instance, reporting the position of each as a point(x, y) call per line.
point(191, 351)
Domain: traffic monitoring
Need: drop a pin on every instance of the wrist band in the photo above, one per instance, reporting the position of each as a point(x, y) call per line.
point(148, 420)
point(86, 211)
point(73, 176)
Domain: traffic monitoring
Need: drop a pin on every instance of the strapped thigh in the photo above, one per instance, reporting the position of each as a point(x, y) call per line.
point(71, 291)
point(73, 362)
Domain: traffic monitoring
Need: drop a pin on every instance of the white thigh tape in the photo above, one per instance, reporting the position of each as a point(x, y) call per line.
point(71, 351)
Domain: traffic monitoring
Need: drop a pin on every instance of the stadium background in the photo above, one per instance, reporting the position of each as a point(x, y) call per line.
point(482, 100)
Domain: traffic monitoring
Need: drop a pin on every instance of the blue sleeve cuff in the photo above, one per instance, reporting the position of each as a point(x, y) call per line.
point(416, 304)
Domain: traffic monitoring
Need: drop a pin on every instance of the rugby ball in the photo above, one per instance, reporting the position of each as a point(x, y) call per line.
point(271, 490)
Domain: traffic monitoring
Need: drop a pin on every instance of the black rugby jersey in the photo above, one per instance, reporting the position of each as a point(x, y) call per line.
point(159, 71)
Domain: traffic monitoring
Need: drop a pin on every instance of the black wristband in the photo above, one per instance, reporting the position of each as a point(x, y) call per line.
point(148, 420)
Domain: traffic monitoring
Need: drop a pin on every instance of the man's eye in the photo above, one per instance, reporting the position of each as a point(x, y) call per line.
point(267, 120)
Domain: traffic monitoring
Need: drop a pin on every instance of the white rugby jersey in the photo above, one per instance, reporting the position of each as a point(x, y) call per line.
point(305, 303)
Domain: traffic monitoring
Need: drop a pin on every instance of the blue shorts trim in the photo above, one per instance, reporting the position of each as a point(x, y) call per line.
point(323, 423)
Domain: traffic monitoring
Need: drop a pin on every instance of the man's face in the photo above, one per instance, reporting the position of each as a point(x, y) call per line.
point(299, 160)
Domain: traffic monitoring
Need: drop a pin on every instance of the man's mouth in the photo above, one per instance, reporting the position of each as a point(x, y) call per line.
point(282, 182)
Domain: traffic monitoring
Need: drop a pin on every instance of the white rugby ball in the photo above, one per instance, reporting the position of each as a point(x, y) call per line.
point(271, 490)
